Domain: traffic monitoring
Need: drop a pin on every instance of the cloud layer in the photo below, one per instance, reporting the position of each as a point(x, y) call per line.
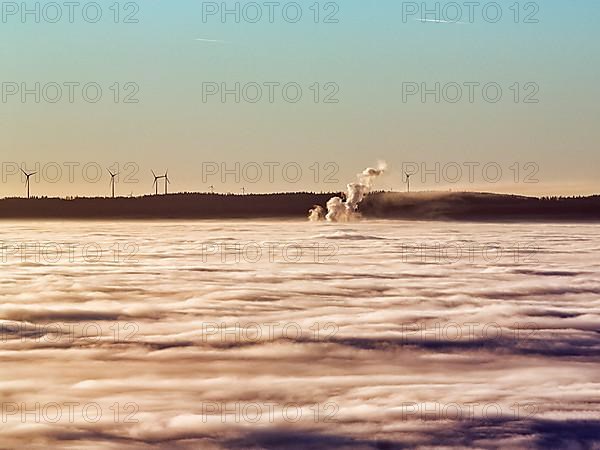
point(300, 335)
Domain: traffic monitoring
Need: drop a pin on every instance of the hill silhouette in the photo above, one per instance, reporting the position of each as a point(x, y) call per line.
point(480, 206)
point(414, 206)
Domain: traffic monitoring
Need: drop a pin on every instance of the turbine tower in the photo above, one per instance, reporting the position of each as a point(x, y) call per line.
point(112, 182)
point(167, 181)
point(408, 175)
point(156, 178)
point(28, 175)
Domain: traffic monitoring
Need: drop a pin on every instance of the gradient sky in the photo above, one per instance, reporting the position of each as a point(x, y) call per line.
point(368, 54)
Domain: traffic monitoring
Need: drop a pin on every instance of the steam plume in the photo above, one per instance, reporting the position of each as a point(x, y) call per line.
point(339, 210)
point(316, 214)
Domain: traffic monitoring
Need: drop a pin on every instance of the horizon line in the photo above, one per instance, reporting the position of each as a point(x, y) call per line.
point(325, 193)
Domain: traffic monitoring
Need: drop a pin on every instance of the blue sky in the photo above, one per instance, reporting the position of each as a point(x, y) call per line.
point(367, 55)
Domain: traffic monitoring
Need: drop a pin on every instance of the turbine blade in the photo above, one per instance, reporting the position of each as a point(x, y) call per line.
point(153, 173)
point(24, 173)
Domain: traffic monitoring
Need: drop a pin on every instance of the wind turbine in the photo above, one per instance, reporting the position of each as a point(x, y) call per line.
point(112, 181)
point(28, 175)
point(166, 177)
point(408, 175)
point(156, 178)
point(212, 189)
point(243, 191)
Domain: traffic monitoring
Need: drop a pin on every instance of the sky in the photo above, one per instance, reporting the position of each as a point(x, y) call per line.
point(158, 70)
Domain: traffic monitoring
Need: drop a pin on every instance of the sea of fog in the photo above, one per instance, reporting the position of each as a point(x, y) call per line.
point(297, 335)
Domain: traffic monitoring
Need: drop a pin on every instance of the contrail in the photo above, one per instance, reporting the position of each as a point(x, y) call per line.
point(440, 21)
point(214, 41)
